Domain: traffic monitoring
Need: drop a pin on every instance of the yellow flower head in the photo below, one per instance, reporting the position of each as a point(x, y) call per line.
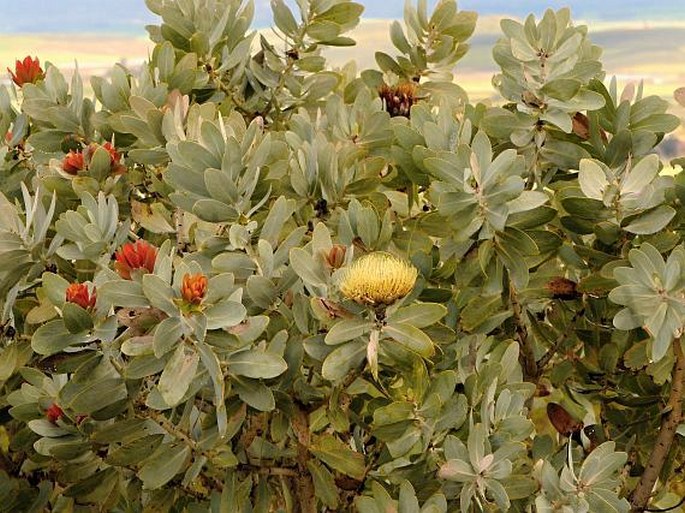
point(378, 279)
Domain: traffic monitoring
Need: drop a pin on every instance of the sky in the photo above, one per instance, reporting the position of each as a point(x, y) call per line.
point(131, 16)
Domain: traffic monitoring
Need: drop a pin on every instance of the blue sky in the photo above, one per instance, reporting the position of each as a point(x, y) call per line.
point(130, 16)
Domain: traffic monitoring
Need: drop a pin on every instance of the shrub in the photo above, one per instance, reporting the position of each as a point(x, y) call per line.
point(238, 280)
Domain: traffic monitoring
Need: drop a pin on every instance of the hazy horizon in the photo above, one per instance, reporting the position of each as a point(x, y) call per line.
point(130, 16)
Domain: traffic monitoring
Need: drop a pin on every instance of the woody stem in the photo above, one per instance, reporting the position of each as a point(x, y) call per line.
point(669, 423)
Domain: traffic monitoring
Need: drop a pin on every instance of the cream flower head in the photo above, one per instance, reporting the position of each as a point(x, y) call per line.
point(378, 279)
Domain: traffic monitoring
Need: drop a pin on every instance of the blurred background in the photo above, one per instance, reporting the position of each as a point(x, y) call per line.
point(641, 40)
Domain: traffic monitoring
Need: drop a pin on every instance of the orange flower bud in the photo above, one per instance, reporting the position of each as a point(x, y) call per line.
point(73, 162)
point(116, 168)
point(194, 288)
point(78, 294)
point(54, 413)
point(27, 71)
point(135, 255)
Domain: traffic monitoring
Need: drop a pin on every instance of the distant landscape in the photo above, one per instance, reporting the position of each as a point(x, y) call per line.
point(130, 16)
point(98, 33)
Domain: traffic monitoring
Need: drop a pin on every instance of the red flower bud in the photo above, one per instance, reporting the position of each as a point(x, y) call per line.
point(73, 163)
point(54, 413)
point(194, 288)
point(135, 255)
point(27, 71)
point(113, 153)
point(116, 168)
point(78, 294)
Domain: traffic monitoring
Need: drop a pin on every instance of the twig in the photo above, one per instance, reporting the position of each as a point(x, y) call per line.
point(530, 368)
point(304, 483)
point(178, 225)
point(269, 471)
point(542, 362)
point(171, 428)
point(664, 440)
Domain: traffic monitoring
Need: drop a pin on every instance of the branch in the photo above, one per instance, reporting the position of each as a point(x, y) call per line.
point(542, 363)
point(530, 367)
point(669, 424)
point(178, 225)
point(304, 483)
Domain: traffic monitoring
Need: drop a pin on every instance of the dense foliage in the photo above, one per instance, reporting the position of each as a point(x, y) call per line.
point(236, 280)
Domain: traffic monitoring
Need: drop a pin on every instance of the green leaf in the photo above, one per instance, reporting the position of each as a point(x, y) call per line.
point(123, 293)
point(339, 456)
point(322, 31)
point(411, 338)
point(225, 314)
point(320, 84)
point(419, 315)
point(398, 38)
point(211, 362)
point(88, 397)
point(343, 13)
point(161, 468)
point(255, 394)
point(76, 319)
point(657, 123)
point(602, 465)
point(253, 363)
point(585, 208)
point(324, 484)
point(499, 493)
point(159, 293)
point(138, 346)
point(55, 288)
point(166, 335)
point(592, 179)
point(122, 431)
point(607, 501)
point(306, 268)
point(44, 427)
point(562, 88)
point(457, 470)
point(136, 451)
point(347, 329)
point(408, 502)
point(262, 291)
point(100, 164)
point(8, 361)
point(640, 175)
point(520, 487)
point(54, 337)
point(342, 360)
point(564, 154)
point(387, 63)
point(283, 17)
point(94, 488)
point(515, 264)
point(177, 375)
point(651, 222)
